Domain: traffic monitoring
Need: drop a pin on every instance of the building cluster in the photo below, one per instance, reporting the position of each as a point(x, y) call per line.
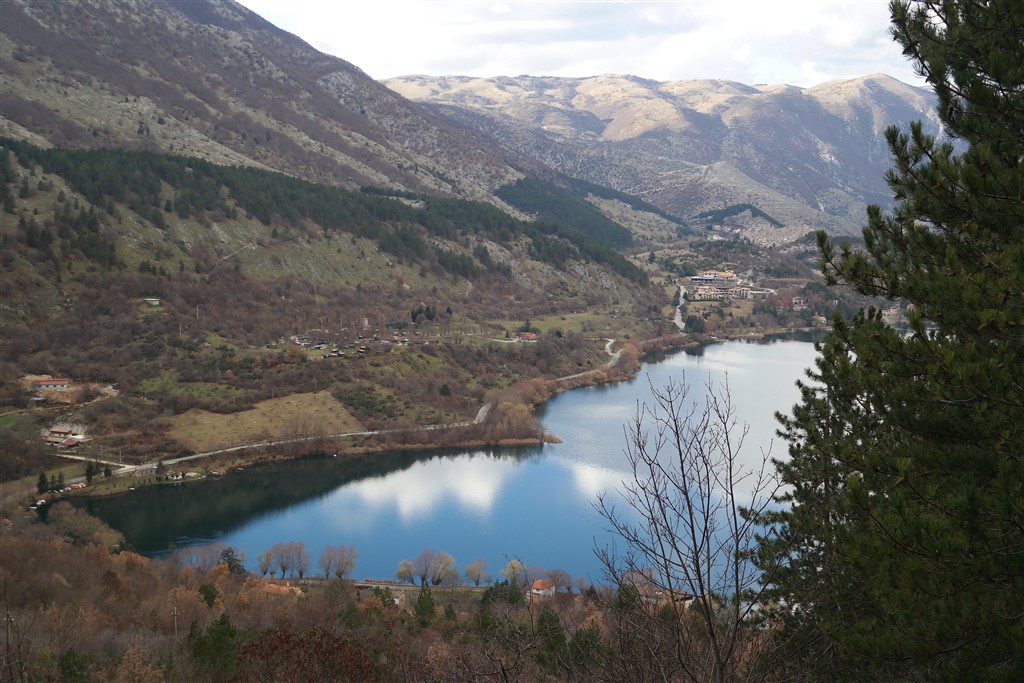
point(64, 435)
point(894, 315)
point(55, 389)
point(713, 285)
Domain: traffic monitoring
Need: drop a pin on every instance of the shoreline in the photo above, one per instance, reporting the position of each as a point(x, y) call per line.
point(242, 456)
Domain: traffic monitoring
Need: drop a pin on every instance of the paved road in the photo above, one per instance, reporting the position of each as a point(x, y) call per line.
point(680, 323)
point(132, 469)
point(481, 416)
point(607, 366)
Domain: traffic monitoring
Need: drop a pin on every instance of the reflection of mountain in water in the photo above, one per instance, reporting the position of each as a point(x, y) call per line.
point(154, 518)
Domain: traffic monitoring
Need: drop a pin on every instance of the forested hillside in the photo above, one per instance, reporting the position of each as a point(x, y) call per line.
point(242, 260)
point(206, 191)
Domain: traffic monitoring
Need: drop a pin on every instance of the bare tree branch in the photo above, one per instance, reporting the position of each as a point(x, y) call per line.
point(686, 588)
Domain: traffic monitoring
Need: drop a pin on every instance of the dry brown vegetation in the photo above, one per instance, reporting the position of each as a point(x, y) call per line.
point(77, 612)
point(293, 416)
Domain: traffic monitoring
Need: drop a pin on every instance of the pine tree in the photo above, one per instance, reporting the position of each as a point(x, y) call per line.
point(905, 535)
point(551, 640)
point(424, 608)
point(214, 651)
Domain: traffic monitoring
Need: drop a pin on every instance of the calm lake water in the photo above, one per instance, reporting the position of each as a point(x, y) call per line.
point(534, 504)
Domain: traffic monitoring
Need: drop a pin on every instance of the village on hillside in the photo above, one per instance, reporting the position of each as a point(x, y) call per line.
point(713, 285)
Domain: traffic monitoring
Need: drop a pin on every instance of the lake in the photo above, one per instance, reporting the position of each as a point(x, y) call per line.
point(534, 504)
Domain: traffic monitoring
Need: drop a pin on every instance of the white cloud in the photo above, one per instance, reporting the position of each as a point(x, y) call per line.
point(752, 41)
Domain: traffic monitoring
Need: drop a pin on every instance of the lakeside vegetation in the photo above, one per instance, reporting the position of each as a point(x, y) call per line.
point(199, 617)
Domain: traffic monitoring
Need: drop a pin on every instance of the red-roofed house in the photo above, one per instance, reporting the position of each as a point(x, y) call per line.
point(61, 383)
point(543, 588)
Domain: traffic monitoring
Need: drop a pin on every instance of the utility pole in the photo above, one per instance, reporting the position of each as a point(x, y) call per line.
point(9, 664)
point(175, 613)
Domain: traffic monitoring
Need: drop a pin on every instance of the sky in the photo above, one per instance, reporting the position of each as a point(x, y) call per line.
point(797, 42)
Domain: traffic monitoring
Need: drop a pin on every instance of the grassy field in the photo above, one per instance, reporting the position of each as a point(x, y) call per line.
point(589, 323)
point(738, 307)
point(207, 391)
point(279, 418)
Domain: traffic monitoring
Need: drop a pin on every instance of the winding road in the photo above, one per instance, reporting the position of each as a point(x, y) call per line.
point(481, 416)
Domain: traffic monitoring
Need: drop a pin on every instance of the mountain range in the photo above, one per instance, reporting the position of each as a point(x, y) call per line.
point(807, 157)
point(214, 80)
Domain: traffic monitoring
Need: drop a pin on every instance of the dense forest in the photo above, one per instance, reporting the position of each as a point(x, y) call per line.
point(582, 188)
point(143, 181)
point(719, 215)
point(553, 204)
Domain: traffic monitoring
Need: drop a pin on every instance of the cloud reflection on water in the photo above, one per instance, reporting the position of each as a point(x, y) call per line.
point(472, 481)
point(593, 481)
point(534, 503)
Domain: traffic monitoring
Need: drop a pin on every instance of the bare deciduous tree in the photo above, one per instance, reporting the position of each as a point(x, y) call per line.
point(476, 572)
point(339, 559)
point(347, 556)
point(406, 572)
point(443, 571)
point(430, 566)
point(560, 578)
point(282, 558)
point(514, 572)
point(300, 557)
point(206, 557)
point(203, 558)
point(264, 561)
point(17, 646)
point(423, 565)
point(327, 560)
point(686, 587)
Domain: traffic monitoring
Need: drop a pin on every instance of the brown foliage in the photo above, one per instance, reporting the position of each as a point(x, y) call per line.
point(122, 608)
point(81, 527)
point(138, 666)
point(283, 655)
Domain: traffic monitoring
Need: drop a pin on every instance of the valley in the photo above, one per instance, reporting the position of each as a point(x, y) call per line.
point(257, 308)
point(179, 284)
